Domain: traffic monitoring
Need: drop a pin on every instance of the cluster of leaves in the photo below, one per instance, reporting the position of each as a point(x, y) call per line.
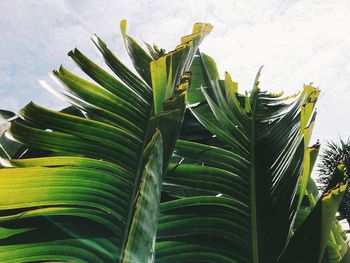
point(335, 153)
point(172, 164)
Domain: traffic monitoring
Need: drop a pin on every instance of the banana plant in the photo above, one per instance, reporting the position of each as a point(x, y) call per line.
point(236, 194)
point(315, 226)
point(91, 191)
point(106, 180)
point(322, 233)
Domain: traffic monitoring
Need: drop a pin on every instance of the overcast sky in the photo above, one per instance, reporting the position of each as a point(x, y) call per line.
point(297, 41)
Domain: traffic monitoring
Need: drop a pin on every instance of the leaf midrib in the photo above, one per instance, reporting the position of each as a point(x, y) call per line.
point(139, 172)
point(255, 252)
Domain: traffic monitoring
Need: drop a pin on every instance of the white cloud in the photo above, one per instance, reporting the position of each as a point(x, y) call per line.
point(297, 41)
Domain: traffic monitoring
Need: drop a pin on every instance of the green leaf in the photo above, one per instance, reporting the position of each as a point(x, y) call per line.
point(175, 61)
point(264, 138)
point(95, 181)
point(141, 240)
point(309, 162)
point(5, 115)
point(140, 59)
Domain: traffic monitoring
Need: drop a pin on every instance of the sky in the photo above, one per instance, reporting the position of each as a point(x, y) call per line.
point(298, 42)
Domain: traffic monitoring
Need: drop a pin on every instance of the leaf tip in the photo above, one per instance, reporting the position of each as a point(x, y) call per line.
point(73, 52)
point(202, 27)
point(123, 27)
